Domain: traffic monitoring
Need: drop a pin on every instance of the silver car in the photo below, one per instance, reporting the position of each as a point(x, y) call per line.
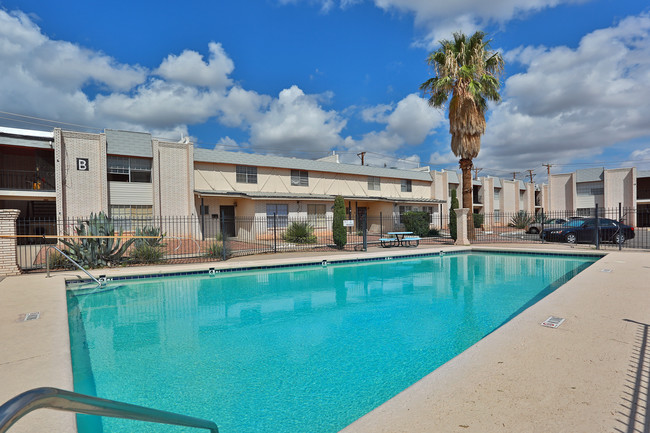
point(536, 227)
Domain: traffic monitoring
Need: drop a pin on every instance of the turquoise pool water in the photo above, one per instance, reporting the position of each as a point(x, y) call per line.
point(306, 349)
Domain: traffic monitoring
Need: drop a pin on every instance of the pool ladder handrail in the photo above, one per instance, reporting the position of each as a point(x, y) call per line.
point(59, 399)
point(47, 260)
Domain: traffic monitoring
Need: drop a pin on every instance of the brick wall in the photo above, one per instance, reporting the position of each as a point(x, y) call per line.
point(8, 264)
point(173, 178)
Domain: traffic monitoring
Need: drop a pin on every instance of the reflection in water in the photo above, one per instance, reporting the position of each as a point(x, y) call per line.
point(273, 350)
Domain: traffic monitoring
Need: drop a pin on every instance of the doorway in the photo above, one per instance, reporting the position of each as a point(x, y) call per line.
point(228, 220)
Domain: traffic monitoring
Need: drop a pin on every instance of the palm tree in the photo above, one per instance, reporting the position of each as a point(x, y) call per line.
point(467, 70)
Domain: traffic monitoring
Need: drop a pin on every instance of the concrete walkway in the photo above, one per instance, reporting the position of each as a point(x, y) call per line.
point(588, 375)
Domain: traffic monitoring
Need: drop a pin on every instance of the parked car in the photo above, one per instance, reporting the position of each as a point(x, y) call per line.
point(584, 230)
point(536, 227)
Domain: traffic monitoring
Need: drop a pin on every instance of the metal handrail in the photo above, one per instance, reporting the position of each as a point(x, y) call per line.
point(59, 399)
point(47, 260)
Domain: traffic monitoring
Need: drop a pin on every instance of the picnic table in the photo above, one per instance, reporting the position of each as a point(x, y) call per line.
point(400, 239)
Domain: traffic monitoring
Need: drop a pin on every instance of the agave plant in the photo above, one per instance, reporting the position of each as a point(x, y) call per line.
point(521, 219)
point(300, 233)
point(97, 245)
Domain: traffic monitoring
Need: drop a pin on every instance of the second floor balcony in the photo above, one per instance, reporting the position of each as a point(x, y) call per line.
point(27, 180)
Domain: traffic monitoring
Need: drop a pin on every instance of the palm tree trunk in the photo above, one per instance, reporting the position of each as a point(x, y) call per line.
point(466, 167)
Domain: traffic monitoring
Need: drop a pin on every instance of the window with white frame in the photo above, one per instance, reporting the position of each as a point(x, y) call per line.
point(130, 217)
point(407, 185)
point(316, 214)
point(277, 215)
point(497, 215)
point(402, 211)
point(374, 183)
point(246, 174)
point(127, 169)
point(497, 195)
point(299, 178)
point(590, 188)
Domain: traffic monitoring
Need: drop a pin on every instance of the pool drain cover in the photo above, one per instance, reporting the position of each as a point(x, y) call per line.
point(553, 322)
point(32, 316)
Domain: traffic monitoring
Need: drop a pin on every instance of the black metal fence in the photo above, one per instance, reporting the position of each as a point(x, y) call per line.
point(604, 228)
point(187, 239)
point(27, 180)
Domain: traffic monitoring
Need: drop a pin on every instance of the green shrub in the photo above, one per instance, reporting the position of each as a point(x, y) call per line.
point(433, 233)
point(478, 220)
point(215, 251)
point(155, 241)
point(416, 222)
point(338, 231)
point(56, 260)
point(93, 252)
point(521, 220)
point(300, 233)
point(144, 253)
point(452, 215)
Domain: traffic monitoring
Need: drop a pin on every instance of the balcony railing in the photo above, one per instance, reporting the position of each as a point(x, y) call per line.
point(26, 180)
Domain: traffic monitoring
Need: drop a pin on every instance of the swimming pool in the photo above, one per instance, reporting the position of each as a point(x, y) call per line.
point(294, 349)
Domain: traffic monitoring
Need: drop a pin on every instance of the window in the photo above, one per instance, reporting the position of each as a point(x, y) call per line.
point(246, 174)
point(374, 183)
point(497, 194)
point(590, 188)
point(130, 217)
point(299, 178)
point(521, 200)
point(402, 210)
point(316, 210)
point(126, 169)
point(406, 185)
point(277, 215)
point(429, 210)
point(497, 215)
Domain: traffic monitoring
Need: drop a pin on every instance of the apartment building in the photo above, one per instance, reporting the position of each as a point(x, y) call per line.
point(582, 190)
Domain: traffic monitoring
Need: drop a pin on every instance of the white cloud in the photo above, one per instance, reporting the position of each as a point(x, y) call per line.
point(296, 121)
point(413, 119)
point(189, 68)
point(573, 103)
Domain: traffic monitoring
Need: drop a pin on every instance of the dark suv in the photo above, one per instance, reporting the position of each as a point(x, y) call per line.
point(584, 230)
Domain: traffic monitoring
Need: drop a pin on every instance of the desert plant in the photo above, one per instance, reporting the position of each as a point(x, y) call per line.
point(215, 250)
point(338, 231)
point(416, 222)
point(478, 220)
point(155, 237)
point(452, 215)
point(300, 233)
point(144, 253)
point(56, 260)
point(98, 245)
point(521, 220)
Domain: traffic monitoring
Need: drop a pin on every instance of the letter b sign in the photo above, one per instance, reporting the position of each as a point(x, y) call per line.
point(82, 164)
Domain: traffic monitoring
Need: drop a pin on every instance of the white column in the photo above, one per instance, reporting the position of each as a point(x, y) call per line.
point(461, 227)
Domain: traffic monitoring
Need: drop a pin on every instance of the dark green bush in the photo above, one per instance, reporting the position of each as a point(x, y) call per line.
point(478, 220)
point(433, 233)
point(416, 222)
point(300, 233)
point(452, 215)
point(338, 231)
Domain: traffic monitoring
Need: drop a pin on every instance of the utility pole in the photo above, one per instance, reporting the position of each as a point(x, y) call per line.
point(476, 172)
point(361, 155)
point(530, 174)
point(548, 170)
point(514, 175)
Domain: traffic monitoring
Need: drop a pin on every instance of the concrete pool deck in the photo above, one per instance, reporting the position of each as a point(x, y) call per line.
point(590, 374)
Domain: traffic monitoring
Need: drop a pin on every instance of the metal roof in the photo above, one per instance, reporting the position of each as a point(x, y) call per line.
point(452, 177)
point(128, 143)
point(297, 196)
point(590, 174)
point(240, 158)
point(642, 173)
point(26, 138)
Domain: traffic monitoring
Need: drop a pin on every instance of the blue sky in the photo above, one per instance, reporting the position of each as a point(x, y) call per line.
point(303, 78)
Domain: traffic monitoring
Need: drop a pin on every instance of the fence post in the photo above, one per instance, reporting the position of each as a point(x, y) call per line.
point(223, 236)
point(597, 229)
point(275, 234)
point(364, 227)
point(461, 227)
point(202, 220)
point(8, 245)
point(381, 225)
point(620, 221)
point(542, 231)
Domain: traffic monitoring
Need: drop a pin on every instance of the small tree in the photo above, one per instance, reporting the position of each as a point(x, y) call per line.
point(416, 222)
point(338, 231)
point(478, 220)
point(452, 215)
